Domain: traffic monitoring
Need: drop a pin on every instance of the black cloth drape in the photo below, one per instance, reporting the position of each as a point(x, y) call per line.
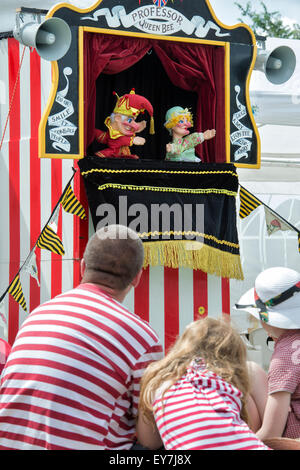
point(170, 204)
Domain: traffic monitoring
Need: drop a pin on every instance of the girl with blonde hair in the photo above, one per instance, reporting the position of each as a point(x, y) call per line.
point(197, 396)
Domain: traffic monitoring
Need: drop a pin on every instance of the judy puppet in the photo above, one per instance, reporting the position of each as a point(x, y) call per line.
point(181, 149)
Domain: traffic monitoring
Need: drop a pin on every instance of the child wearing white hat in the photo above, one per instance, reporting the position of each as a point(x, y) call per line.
point(275, 301)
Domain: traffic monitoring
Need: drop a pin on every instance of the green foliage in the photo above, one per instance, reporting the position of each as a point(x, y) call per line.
point(268, 23)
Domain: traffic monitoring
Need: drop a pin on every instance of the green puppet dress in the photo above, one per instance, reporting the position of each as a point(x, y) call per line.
point(183, 148)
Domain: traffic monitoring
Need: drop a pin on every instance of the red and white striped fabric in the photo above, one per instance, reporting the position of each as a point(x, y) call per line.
point(72, 378)
point(168, 298)
point(202, 412)
point(32, 186)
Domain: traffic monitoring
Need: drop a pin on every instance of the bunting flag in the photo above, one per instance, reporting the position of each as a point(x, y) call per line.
point(48, 240)
point(30, 267)
point(53, 222)
point(248, 203)
point(275, 223)
point(15, 289)
point(71, 204)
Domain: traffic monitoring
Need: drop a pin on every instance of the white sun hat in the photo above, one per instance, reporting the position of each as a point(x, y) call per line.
point(275, 299)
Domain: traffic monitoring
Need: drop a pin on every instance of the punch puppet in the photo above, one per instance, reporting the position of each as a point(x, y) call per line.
point(122, 127)
point(181, 149)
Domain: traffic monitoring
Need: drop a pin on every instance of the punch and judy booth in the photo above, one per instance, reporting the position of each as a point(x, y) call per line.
point(167, 54)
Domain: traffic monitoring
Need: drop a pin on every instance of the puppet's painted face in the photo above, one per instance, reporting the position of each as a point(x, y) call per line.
point(182, 126)
point(126, 125)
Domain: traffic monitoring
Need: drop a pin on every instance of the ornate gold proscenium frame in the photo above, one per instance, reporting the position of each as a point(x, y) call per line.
point(61, 132)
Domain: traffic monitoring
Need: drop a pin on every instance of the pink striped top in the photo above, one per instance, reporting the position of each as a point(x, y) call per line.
point(202, 411)
point(72, 378)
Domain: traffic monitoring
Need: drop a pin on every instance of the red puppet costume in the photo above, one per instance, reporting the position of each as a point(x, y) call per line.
point(122, 127)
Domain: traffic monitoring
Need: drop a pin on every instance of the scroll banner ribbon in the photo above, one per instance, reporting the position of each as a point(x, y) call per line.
point(243, 133)
point(168, 21)
point(63, 127)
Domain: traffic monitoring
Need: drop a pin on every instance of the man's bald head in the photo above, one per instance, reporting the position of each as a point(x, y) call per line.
point(113, 257)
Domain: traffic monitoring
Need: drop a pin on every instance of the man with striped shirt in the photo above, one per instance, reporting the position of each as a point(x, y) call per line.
point(72, 378)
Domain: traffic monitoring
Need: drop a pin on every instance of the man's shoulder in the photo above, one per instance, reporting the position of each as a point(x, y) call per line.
point(141, 324)
point(91, 301)
point(120, 312)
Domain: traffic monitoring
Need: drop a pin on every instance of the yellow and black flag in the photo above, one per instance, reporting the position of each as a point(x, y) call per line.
point(48, 240)
point(71, 204)
point(15, 289)
point(248, 202)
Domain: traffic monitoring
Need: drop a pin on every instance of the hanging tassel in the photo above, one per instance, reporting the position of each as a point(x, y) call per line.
point(152, 130)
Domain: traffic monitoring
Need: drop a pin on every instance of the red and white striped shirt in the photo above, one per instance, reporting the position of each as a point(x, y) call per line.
point(72, 378)
point(202, 411)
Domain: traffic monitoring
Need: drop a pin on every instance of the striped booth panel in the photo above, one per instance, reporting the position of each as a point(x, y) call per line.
point(172, 298)
point(32, 186)
point(168, 298)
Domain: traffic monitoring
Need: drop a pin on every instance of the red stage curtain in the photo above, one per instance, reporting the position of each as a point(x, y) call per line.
point(200, 68)
point(192, 67)
point(108, 54)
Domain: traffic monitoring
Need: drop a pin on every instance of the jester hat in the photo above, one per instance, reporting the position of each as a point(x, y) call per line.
point(131, 104)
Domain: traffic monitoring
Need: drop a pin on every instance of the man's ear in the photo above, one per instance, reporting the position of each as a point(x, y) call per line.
point(82, 267)
point(136, 280)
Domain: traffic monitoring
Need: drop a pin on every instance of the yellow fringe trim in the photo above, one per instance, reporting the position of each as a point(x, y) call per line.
point(194, 255)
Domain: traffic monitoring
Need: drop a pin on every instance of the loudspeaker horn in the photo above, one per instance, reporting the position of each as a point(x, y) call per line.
point(51, 38)
point(278, 65)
